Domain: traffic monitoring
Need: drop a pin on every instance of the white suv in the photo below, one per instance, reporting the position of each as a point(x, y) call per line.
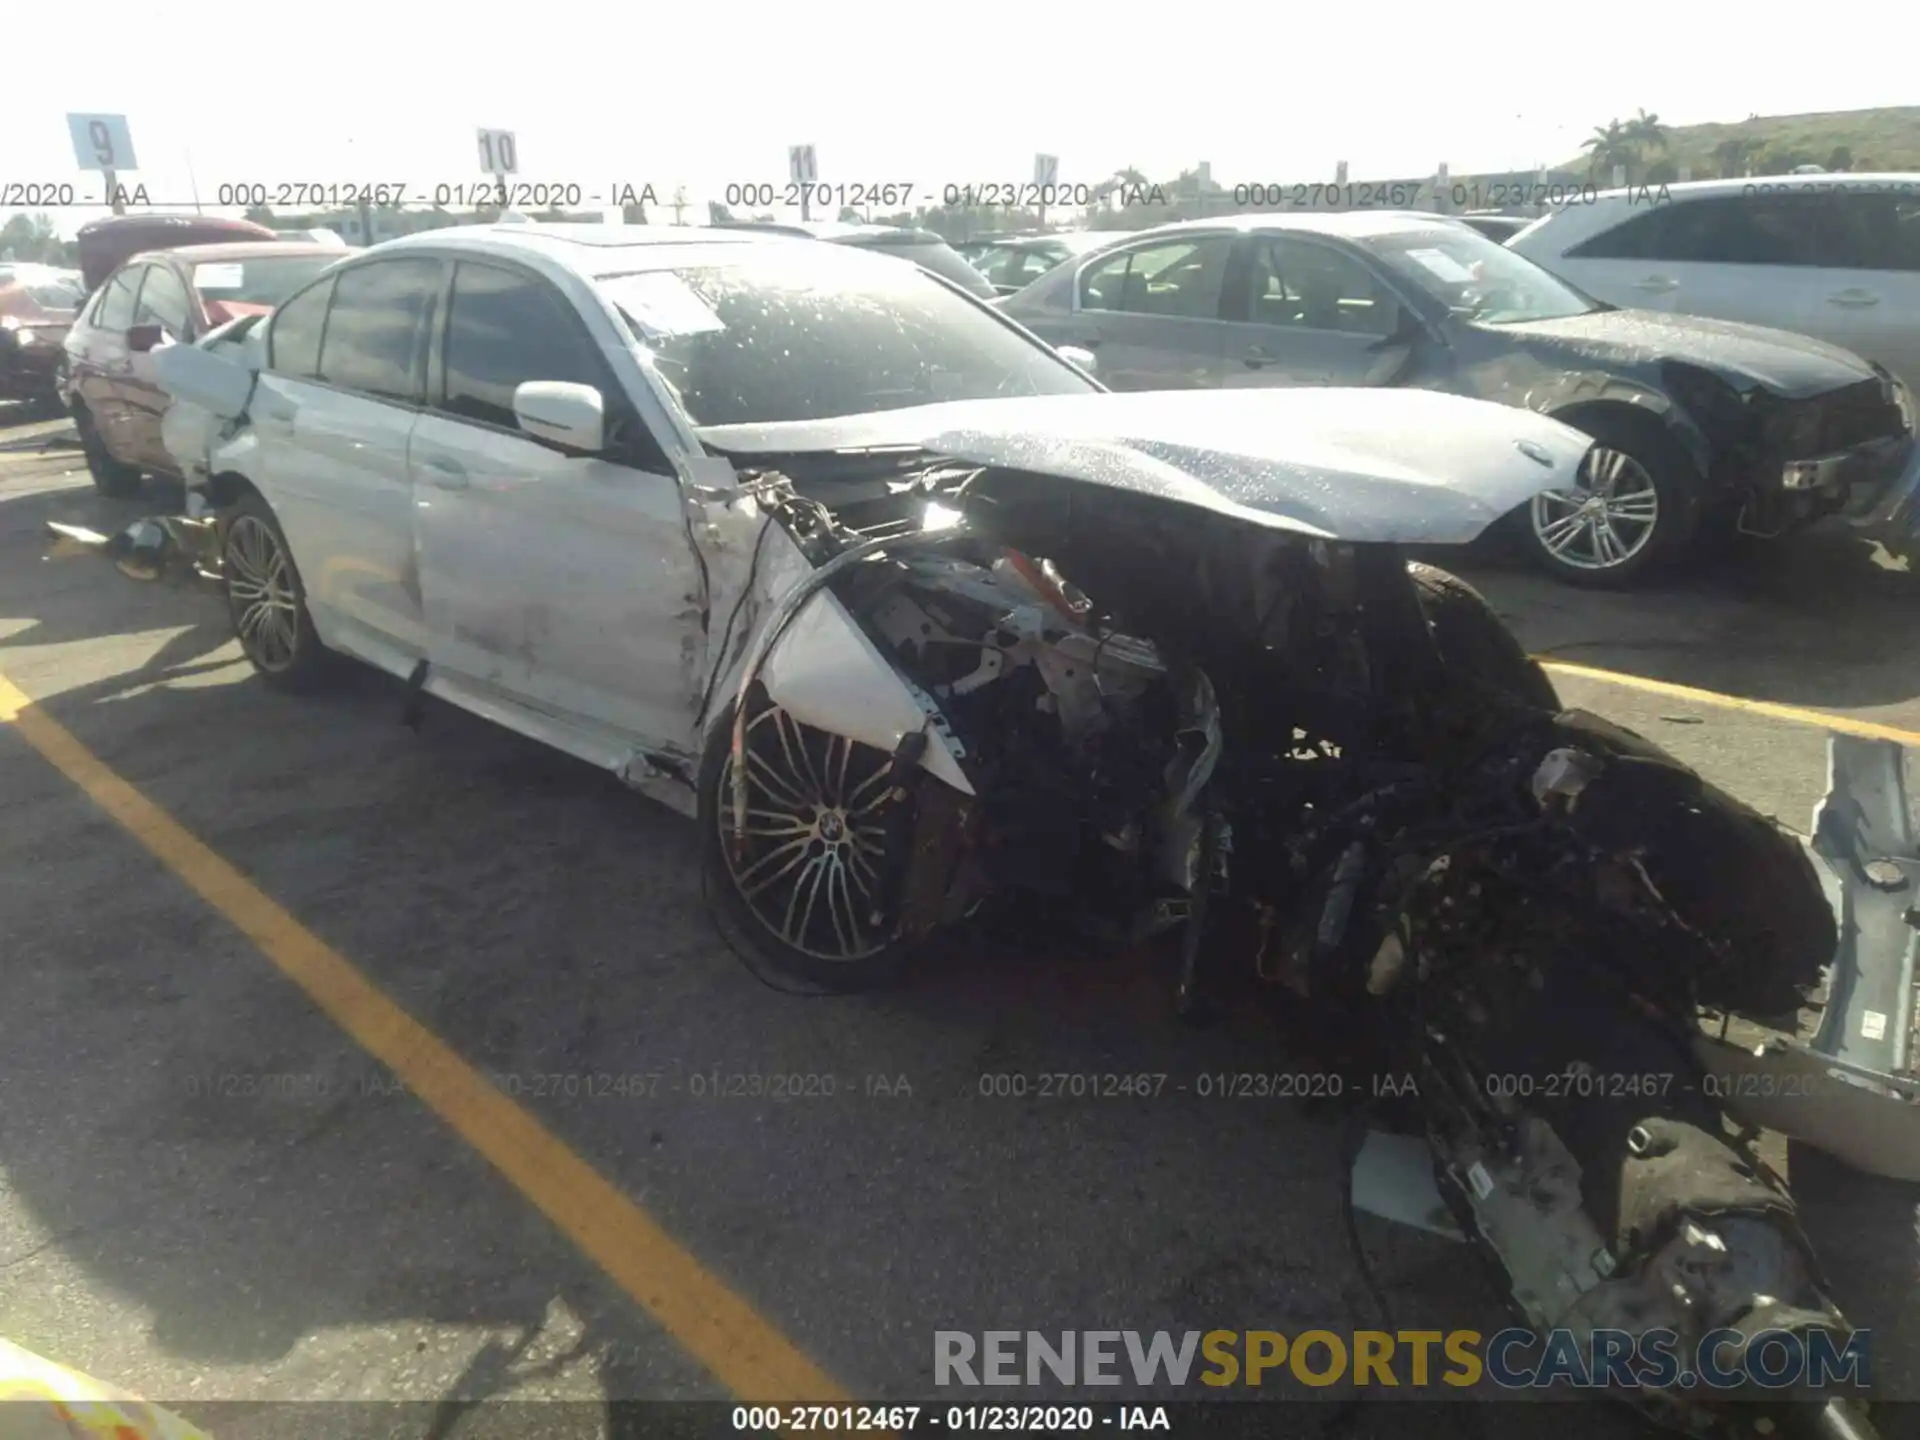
point(1832, 256)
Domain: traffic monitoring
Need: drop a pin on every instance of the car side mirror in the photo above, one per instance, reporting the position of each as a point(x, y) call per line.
point(1078, 355)
point(571, 416)
point(142, 338)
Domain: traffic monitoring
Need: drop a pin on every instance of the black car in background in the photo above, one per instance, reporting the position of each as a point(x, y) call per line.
point(1013, 262)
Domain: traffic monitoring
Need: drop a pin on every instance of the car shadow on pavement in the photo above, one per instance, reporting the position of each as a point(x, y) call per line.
point(210, 1191)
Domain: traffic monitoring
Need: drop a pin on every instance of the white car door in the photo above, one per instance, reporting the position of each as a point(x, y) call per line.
point(331, 416)
point(1868, 294)
point(1747, 256)
point(566, 582)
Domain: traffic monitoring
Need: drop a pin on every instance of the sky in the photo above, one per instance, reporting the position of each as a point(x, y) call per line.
point(710, 95)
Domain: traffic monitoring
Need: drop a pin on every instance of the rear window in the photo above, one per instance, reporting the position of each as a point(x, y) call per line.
point(812, 335)
point(257, 282)
point(939, 257)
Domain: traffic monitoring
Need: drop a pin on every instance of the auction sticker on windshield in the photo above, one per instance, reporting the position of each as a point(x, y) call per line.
point(218, 275)
point(663, 304)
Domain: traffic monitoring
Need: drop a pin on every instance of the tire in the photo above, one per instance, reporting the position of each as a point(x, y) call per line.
point(760, 927)
point(1646, 505)
point(1473, 641)
point(111, 477)
point(266, 599)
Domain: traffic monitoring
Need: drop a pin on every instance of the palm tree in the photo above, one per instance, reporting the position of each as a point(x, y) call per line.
point(1734, 154)
point(1610, 145)
point(1645, 129)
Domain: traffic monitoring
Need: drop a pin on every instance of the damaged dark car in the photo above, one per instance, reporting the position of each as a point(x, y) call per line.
point(918, 622)
point(1703, 427)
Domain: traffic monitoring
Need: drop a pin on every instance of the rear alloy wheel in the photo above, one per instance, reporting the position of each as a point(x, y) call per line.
point(111, 477)
point(266, 600)
point(804, 891)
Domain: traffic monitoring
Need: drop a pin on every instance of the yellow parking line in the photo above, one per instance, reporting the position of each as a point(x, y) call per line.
point(715, 1325)
point(1792, 714)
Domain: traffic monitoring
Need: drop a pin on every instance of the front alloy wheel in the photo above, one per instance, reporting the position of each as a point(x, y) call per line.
point(814, 847)
point(804, 890)
point(1606, 525)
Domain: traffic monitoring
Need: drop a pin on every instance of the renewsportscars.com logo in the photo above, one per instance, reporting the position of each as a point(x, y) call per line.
point(1513, 1359)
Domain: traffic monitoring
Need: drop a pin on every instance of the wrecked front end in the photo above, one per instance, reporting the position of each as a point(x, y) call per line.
point(1194, 710)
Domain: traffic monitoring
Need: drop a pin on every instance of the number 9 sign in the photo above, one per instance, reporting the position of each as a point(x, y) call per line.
point(101, 142)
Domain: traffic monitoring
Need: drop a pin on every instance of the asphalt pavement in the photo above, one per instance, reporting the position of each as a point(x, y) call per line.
point(258, 948)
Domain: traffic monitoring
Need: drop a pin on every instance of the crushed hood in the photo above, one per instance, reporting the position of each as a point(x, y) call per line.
point(1794, 367)
point(1400, 466)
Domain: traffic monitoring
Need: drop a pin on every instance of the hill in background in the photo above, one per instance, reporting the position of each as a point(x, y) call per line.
point(1858, 140)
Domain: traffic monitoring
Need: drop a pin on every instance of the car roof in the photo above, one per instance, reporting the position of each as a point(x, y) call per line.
point(586, 249)
point(241, 250)
point(1739, 184)
point(1347, 224)
point(1072, 239)
point(842, 232)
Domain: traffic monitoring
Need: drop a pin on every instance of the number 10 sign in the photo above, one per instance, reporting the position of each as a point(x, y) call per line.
point(498, 154)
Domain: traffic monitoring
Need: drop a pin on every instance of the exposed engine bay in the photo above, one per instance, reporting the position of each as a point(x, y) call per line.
point(1314, 763)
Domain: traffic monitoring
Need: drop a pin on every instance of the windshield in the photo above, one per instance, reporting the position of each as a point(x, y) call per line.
point(1476, 279)
point(257, 282)
point(813, 335)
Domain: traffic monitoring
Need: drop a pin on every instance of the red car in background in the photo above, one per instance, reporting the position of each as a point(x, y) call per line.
point(37, 305)
point(164, 297)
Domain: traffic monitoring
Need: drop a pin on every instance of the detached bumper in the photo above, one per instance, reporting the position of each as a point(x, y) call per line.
point(1853, 1089)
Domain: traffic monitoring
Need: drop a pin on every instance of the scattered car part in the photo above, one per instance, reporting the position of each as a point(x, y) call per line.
point(1853, 1089)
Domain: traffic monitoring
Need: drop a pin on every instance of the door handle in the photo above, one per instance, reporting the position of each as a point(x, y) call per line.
point(446, 474)
point(1853, 299)
point(1657, 284)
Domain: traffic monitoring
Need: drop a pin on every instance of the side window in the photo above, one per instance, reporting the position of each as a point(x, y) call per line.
point(293, 336)
point(1757, 229)
point(505, 328)
point(1178, 278)
point(116, 308)
point(164, 302)
point(1868, 231)
point(1306, 286)
point(373, 341)
point(1032, 266)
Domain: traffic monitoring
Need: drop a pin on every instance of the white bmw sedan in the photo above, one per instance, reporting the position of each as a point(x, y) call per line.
point(769, 528)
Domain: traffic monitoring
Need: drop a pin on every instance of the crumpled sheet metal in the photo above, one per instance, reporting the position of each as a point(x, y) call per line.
point(1852, 1090)
point(40, 1400)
